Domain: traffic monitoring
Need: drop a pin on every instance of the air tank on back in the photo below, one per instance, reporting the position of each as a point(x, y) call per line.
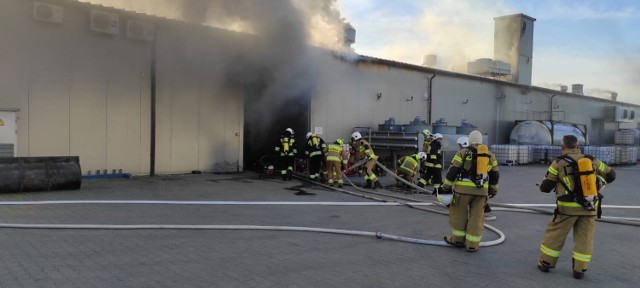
point(534, 132)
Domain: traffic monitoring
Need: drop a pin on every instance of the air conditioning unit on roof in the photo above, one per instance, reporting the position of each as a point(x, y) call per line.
point(105, 22)
point(47, 12)
point(140, 30)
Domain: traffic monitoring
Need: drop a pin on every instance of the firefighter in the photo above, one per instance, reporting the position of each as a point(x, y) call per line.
point(408, 167)
point(363, 150)
point(574, 209)
point(471, 179)
point(426, 144)
point(285, 153)
point(336, 162)
point(463, 142)
point(315, 152)
point(434, 163)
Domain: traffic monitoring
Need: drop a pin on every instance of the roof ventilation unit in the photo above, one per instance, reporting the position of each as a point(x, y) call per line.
point(140, 30)
point(489, 68)
point(47, 12)
point(105, 22)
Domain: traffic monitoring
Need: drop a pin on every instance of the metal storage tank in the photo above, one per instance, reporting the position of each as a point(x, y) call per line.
point(440, 126)
point(546, 132)
point(465, 128)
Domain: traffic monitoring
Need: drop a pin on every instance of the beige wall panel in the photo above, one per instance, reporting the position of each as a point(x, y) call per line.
point(163, 120)
point(88, 137)
point(123, 119)
point(233, 126)
point(185, 123)
point(49, 109)
point(212, 122)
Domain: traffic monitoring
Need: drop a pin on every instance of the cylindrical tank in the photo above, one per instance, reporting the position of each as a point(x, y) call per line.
point(21, 174)
point(440, 126)
point(540, 133)
point(465, 128)
point(389, 125)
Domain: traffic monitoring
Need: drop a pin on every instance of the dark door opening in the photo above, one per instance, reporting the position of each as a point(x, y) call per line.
point(265, 121)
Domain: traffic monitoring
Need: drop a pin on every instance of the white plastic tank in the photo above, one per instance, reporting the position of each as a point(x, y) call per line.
point(545, 133)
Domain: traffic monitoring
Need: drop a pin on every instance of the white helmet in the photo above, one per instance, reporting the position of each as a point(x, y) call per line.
point(463, 141)
point(422, 156)
point(426, 132)
point(437, 136)
point(289, 130)
point(308, 135)
point(356, 136)
point(475, 137)
point(445, 198)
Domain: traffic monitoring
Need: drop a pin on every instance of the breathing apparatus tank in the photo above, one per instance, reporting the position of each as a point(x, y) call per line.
point(482, 165)
point(285, 144)
point(314, 139)
point(587, 179)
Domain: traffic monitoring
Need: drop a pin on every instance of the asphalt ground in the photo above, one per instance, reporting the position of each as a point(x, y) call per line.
point(242, 258)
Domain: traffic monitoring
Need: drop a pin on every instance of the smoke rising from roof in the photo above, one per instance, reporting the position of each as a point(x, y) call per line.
point(279, 65)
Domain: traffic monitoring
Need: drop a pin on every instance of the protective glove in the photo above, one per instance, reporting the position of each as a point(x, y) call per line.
point(369, 157)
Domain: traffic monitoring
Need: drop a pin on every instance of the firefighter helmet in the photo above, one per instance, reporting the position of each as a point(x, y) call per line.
point(422, 156)
point(289, 130)
point(339, 142)
point(437, 136)
point(308, 135)
point(426, 132)
point(356, 136)
point(463, 141)
point(475, 137)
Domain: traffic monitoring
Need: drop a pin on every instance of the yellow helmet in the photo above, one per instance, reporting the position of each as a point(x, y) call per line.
point(339, 142)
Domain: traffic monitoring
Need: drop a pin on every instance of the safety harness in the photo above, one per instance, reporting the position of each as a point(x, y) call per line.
point(575, 194)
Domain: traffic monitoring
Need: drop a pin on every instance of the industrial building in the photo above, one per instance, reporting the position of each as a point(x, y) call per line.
point(139, 94)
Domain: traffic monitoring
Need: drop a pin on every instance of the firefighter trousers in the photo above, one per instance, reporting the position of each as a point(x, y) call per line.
point(285, 164)
point(435, 175)
point(368, 172)
point(466, 218)
point(315, 163)
point(556, 233)
point(335, 174)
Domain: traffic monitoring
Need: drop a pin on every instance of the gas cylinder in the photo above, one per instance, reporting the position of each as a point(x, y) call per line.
point(588, 179)
point(482, 164)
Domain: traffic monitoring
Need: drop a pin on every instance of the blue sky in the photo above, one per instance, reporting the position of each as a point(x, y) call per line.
point(595, 43)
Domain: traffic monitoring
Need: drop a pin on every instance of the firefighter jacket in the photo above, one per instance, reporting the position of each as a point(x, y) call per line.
point(315, 146)
point(363, 150)
point(434, 156)
point(409, 164)
point(560, 170)
point(336, 153)
point(426, 145)
point(286, 146)
point(461, 175)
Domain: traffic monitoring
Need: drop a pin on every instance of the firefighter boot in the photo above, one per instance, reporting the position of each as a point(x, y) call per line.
point(543, 266)
point(435, 191)
point(289, 173)
point(377, 184)
point(577, 274)
point(368, 185)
